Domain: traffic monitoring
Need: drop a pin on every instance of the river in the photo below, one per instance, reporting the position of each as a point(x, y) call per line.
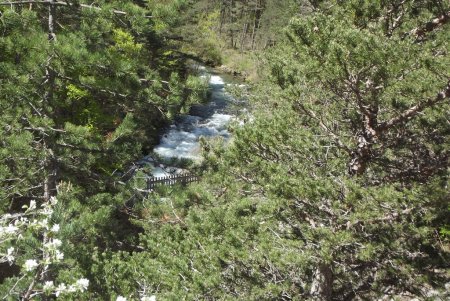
point(181, 139)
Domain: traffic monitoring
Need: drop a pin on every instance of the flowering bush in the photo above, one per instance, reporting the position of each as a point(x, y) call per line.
point(34, 273)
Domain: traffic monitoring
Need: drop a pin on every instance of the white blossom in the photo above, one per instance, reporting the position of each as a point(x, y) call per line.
point(120, 298)
point(48, 285)
point(43, 223)
point(55, 228)
point(57, 243)
point(59, 255)
point(54, 244)
point(9, 255)
point(53, 201)
point(30, 265)
point(47, 211)
point(32, 205)
point(147, 298)
point(14, 227)
point(10, 229)
point(60, 289)
point(82, 284)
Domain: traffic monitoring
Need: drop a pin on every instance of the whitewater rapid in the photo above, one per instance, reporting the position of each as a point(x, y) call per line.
point(181, 139)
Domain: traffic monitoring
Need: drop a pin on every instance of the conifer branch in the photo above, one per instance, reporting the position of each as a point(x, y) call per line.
point(104, 91)
point(335, 137)
point(85, 149)
point(61, 3)
point(420, 32)
point(91, 88)
point(411, 112)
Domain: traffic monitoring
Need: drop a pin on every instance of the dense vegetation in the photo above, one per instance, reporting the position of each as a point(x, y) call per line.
point(335, 189)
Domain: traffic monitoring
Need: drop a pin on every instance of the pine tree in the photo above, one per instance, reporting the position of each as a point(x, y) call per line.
point(85, 89)
point(337, 188)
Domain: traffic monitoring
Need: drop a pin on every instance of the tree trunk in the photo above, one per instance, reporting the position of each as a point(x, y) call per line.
point(256, 23)
point(50, 165)
point(322, 285)
point(51, 22)
point(244, 33)
point(222, 18)
point(232, 23)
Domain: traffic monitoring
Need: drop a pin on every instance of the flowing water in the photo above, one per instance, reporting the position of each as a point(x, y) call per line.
point(181, 139)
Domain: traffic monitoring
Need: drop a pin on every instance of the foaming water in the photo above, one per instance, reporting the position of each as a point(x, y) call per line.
point(181, 140)
point(216, 80)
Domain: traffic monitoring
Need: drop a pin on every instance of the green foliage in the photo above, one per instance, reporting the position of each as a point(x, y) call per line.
point(75, 93)
point(278, 206)
point(80, 106)
point(124, 43)
point(166, 13)
point(325, 193)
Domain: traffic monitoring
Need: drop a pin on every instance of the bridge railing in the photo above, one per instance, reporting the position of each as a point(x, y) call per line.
point(171, 180)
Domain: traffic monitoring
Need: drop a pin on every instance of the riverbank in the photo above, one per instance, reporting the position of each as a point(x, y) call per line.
point(243, 65)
